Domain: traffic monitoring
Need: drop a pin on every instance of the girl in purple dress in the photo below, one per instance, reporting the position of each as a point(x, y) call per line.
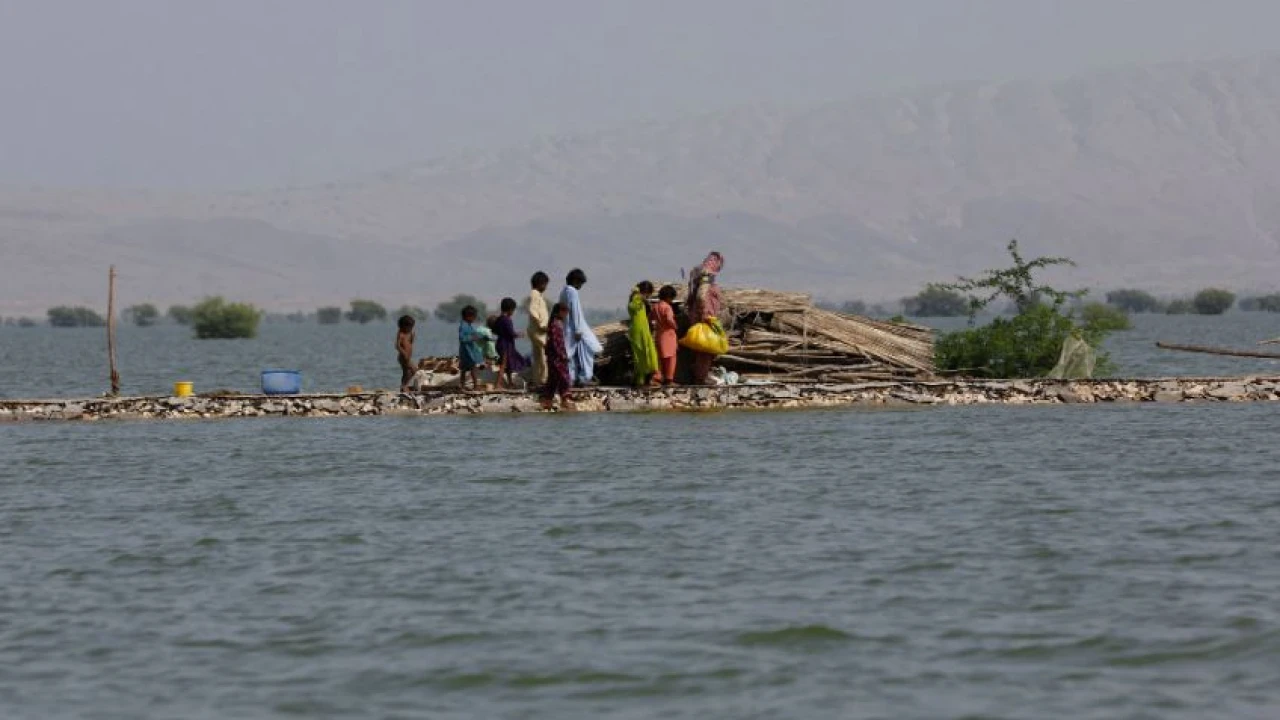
point(510, 361)
point(559, 381)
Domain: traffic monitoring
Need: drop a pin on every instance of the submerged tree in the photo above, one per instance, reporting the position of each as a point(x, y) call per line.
point(217, 318)
point(366, 311)
point(1261, 303)
point(329, 315)
point(1213, 301)
point(451, 310)
point(412, 311)
point(142, 315)
point(180, 314)
point(79, 316)
point(936, 301)
point(1134, 301)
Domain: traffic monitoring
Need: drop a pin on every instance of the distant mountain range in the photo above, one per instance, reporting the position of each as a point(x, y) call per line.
point(1164, 177)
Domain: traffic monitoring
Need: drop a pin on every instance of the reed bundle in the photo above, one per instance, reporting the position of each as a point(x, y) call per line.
point(783, 337)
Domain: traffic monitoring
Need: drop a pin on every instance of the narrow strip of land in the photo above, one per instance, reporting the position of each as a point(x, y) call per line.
point(736, 397)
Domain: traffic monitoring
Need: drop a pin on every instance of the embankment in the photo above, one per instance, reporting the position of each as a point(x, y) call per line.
point(742, 397)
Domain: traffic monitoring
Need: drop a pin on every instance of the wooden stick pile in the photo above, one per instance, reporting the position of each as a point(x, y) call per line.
point(783, 337)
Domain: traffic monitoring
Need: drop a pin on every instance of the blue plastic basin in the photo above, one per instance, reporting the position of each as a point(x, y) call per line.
point(281, 382)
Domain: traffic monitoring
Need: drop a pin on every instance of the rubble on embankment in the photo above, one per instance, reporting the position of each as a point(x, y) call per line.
point(609, 399)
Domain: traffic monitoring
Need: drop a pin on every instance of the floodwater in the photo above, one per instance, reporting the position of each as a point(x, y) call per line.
point(984, 562)
point(53, 362)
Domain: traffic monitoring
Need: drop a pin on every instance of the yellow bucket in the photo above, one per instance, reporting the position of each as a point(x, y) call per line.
point(182, 389)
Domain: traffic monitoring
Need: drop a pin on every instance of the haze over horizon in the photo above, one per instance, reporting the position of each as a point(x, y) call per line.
point(176, 94)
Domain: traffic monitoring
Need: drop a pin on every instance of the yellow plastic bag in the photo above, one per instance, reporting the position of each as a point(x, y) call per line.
point(706, 337)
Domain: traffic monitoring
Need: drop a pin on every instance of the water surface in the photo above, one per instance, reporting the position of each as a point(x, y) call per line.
point(54, 362)
point(1003, 562)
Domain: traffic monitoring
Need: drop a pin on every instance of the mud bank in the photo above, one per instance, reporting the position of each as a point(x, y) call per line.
point(762, 397)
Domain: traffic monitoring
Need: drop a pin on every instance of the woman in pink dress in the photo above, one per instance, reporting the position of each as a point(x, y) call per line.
point(665, 335)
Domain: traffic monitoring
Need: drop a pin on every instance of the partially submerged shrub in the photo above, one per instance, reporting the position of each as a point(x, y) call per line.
point(1029, 343)
point(936, 301)
point(1107, 318)
point(329, 315)
point(366, 311)
point(1261, 303)
point(1213, 301)
point(1134, 301)
point(217, 318)
point(79, 316)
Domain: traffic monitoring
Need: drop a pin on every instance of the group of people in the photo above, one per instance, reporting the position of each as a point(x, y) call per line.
point(564, 348)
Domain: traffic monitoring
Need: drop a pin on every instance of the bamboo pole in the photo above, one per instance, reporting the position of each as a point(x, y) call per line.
point(1218, 351)
point(111, 330)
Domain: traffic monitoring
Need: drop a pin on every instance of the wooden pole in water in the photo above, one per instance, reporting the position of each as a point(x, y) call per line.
point(1219, 351)
point(111, 330)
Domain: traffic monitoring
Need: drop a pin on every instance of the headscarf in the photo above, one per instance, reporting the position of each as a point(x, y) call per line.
point(703, 302)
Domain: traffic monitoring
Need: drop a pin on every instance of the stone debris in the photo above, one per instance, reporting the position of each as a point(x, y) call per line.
point(609, 399)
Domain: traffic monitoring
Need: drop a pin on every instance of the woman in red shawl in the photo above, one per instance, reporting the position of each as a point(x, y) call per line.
point(703, 303)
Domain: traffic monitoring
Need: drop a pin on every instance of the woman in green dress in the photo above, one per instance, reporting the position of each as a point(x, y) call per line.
point(643, 352)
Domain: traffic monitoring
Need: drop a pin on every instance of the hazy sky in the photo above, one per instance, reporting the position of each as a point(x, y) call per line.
point(246, 93)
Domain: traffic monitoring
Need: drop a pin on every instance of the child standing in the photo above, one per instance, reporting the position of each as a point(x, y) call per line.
point(664, 321)
point(559, 380)
point(538, 320)
point(470, 354)
point(404, 350)
point(510, 361)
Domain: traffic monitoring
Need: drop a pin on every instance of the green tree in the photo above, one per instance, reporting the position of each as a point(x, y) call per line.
point(79, 316)
point(451, 310)
point(1213, 301)
point(143, 315)
point(1179, 306)
point(412, 311)
point(1261, 303)
point(180, 314)
point(329, 315)
point(217, 318)
point(366, 311)
point(1134, 301)
point(1105, 317)
point(1029, 343)
point(936, 301)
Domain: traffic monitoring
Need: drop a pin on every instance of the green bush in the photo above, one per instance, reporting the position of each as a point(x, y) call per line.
point(217, 318)
point(1025, 345)
point(180, 314)
point(1261, 303)
point(936, 301)
point(1213, 301)
point(1029, 343)
point(79, 316)
point(366, 311)
point(1181, 306)
point(144, 315)
point(1107, 318)
point(329, 315)
point(1134, 301)
point(450, 311)
point(412, 311)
